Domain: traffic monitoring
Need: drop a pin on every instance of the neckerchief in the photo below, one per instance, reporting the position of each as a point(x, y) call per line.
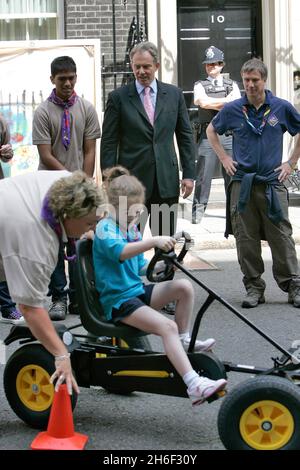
point(133, 234)
point(65, 120)
point(257, 130)
point(48, 216)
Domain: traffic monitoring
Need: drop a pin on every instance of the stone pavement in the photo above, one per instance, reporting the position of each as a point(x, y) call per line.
point(209, 234)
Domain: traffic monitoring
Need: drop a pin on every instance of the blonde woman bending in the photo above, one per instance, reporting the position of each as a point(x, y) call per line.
point(49, 207)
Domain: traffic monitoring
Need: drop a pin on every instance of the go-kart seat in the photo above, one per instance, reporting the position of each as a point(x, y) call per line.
point(91, 313)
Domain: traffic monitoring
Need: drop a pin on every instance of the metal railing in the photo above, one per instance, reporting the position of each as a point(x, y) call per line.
point(114, 72)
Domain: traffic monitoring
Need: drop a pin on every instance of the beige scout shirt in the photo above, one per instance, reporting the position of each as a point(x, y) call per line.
point(46, 129)
point(28, 245)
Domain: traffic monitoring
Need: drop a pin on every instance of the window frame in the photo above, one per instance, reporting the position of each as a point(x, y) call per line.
point(60, 15)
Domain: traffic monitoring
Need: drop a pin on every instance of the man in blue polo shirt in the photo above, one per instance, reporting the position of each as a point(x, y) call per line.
point(257, 206)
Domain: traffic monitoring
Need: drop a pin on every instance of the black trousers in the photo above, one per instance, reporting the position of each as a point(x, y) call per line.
point(162, 213)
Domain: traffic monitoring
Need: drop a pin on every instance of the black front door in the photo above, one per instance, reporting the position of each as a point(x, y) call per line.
point(234, 26)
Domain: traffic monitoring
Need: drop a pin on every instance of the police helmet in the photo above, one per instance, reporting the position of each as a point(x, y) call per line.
point(212, 55)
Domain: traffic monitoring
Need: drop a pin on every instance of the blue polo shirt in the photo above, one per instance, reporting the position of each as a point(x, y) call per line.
point(256, 153)
point(116, 281)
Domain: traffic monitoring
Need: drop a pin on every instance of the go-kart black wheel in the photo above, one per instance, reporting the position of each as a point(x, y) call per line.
point(261, 414)
point(27, 384)
point(160, 255)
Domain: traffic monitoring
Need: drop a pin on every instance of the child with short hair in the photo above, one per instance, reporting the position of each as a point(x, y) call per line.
point(119, 262)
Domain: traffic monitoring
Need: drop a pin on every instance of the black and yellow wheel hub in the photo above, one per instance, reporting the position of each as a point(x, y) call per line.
point(267, 425)
point(34, 388)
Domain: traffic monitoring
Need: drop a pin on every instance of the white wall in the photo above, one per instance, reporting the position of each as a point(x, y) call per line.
point(295, 28)
point(295, 32)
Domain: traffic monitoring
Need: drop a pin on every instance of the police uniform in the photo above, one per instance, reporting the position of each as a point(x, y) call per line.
point(207, 160)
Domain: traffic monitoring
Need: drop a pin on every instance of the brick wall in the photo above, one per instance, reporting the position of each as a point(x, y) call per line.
point(94, 19)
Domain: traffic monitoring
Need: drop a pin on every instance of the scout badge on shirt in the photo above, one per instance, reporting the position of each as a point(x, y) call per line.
point(273, 120)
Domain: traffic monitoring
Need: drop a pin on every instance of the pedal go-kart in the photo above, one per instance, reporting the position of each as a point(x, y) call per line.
point(261, 413)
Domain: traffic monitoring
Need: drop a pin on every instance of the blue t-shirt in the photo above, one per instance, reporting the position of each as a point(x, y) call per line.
point(256, 153)
point(116, 281)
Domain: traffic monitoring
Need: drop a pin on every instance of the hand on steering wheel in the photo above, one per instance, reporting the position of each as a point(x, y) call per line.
point(168, 273)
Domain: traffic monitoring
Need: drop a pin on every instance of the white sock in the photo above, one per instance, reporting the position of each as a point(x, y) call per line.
point(185, 337)
point(191, 379)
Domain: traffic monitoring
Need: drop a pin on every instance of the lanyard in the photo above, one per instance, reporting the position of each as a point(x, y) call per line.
point(257, 130)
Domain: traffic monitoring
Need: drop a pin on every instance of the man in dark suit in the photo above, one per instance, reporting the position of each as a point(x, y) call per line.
point(140, 121)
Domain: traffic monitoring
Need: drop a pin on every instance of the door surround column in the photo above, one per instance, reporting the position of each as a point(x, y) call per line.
point(162, 31)
point(277, 46)
point(278, 53)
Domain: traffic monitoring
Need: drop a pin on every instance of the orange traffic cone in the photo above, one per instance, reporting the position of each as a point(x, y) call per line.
point(60, 433)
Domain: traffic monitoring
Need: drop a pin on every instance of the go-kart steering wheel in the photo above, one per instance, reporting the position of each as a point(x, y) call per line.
point(160, 255)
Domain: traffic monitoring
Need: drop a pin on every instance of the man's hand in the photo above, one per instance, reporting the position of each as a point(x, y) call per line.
point(6, 153)
point(187, 186)
point(229, 165)
point(285, 171)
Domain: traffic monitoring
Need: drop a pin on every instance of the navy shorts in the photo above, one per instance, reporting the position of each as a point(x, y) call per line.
point(133, 304)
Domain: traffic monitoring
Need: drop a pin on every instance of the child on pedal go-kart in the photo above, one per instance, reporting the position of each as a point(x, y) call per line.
point(119, 262)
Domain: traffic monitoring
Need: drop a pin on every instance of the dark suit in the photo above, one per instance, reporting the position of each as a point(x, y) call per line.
point(147, 151)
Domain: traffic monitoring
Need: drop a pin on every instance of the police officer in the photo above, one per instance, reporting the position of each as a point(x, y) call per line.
point(210, 95)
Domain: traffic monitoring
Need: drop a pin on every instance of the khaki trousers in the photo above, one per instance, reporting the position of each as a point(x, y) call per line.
point(252, 226)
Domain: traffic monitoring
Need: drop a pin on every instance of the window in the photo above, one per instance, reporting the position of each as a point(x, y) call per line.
point(31, 19)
